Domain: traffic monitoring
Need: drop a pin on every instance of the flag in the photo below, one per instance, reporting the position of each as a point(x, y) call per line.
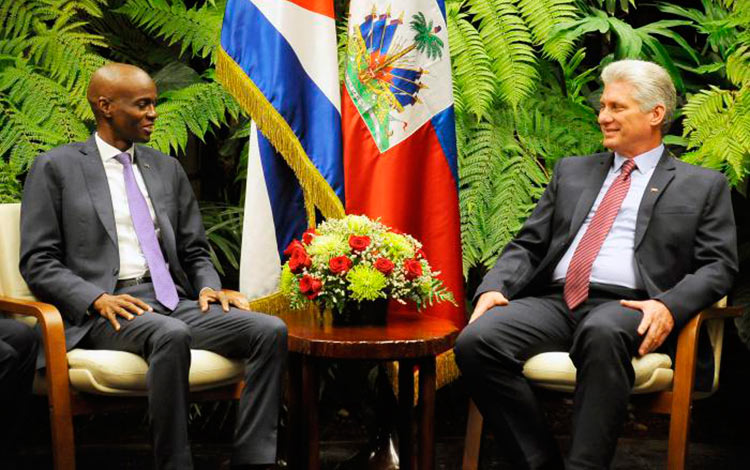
point(398, 130)
point(278, 59)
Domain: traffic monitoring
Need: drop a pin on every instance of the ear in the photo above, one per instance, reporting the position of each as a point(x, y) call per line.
point(658, 114)
point(104, 105)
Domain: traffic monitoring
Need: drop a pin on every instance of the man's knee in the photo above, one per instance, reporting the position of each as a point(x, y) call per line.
point(174, 334)
point(602, 340)
point(467, 348)
point(270, 332)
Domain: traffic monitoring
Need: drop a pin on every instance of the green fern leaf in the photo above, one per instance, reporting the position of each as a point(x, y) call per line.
point(544, 17)
point(508, 42)
point(473, 78)
point(195, 28)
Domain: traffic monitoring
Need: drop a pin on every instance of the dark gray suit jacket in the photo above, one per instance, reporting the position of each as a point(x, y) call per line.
point(685, 237)
point(69, 252)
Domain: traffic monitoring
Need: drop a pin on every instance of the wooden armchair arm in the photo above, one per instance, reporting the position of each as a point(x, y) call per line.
point(687, 352)
point(53, 332)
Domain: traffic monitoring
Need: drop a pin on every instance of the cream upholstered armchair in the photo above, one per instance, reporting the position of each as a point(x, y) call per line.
point(659, 387)
point(84, 381)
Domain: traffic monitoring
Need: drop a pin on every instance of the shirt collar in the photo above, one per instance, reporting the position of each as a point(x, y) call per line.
point(644, 162)
point(108, 152)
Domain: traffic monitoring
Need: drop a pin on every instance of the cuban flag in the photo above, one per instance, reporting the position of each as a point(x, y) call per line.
point(278, 59)
point(399, 132)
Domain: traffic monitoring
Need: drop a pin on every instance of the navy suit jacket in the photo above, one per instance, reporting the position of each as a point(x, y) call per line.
point(69, 252)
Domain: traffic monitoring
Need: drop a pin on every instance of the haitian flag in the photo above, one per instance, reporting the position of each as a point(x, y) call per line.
point(278, 59)
point(399, 133)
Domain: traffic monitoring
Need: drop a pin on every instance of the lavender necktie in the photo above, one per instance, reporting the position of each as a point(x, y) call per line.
point(164, 287)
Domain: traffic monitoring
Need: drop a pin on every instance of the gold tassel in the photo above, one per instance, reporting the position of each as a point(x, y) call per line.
point(446, 371)
point(272, 304)
point(275, 128)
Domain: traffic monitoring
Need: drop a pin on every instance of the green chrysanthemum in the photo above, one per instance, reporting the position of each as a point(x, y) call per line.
point(328, 246)
point(360, 225)
point(366, 283)
point(287, 283)
point(425, 289)
point(397, 246)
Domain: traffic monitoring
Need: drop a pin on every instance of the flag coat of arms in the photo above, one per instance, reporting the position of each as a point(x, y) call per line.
point(278, 58)
point(398, 130)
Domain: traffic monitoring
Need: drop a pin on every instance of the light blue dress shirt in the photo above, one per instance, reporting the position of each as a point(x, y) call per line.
point(615, 263)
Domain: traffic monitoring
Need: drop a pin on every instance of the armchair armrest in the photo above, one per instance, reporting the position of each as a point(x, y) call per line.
point(53, 332)
point(687, 349)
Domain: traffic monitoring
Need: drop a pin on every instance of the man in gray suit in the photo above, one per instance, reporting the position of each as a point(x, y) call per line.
point(622, 249)
point(112, 235)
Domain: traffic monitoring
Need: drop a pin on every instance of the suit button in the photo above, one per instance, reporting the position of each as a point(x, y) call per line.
point(115, 272)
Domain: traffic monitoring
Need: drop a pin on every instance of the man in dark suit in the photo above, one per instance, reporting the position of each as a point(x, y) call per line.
point(18, 349)
point(620, 252)
point(112, 235)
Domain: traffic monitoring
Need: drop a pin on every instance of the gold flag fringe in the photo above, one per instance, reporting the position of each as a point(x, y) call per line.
point(446, 371)
point(273, 304)
point(274, 127)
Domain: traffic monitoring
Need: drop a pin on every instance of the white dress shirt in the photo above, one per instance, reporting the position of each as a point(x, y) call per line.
point(132, 262)
point(615, 263)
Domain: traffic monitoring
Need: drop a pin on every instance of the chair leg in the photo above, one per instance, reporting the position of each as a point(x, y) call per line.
point(679, 430)
point(473, 439)
point(61, 422)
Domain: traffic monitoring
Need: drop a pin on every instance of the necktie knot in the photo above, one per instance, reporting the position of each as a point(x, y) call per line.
point(627, 168)
point(123, 158)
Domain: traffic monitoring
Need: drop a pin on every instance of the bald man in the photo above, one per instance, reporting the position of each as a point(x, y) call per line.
point(112, 235)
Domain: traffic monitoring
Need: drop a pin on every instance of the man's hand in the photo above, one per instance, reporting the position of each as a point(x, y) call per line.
point(657, 321)
point(112, 306)
point(225, 298)
point(487, 301)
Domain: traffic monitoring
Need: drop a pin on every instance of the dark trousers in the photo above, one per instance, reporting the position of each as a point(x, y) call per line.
point(18, 349)
point(601, 337)
point(165, 338)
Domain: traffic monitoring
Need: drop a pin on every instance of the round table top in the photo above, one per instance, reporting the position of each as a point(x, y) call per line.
point(403, 336)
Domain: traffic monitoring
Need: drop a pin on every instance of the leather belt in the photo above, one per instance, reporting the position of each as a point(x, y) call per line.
point(123, 283)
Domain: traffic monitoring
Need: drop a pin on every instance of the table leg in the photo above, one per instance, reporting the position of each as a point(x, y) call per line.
point(405, 414)
point(310, 409)
point(296, 449)
point(427, 381)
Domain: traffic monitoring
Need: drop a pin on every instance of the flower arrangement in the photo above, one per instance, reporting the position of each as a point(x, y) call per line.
point(356, 259)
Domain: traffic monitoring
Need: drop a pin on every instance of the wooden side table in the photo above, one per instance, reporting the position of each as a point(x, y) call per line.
point(412, 340)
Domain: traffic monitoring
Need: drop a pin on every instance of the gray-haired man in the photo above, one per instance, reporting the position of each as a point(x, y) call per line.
point(623, 248)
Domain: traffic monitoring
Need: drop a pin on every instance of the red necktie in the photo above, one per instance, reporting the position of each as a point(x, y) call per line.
point(579, 271)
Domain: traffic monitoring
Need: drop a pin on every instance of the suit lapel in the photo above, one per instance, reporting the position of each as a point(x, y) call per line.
point(96, 182)
point(663, 174)
point(595, 180)
point(145, 162)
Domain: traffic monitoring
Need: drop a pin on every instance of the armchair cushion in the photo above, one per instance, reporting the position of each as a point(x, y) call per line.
point(121, 373)
point(555, 371)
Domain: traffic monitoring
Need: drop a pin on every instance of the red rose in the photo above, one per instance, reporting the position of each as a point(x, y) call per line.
point(294, 247)
point(421, 254)
point(384, 265)
point(359, 243)
point(299, 260)
point(413, 269)
point(340, 264)
point(310, 286)
point(308, 236)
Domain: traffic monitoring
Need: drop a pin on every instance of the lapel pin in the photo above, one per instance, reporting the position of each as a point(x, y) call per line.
point(654, 190)
point(148, 166)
